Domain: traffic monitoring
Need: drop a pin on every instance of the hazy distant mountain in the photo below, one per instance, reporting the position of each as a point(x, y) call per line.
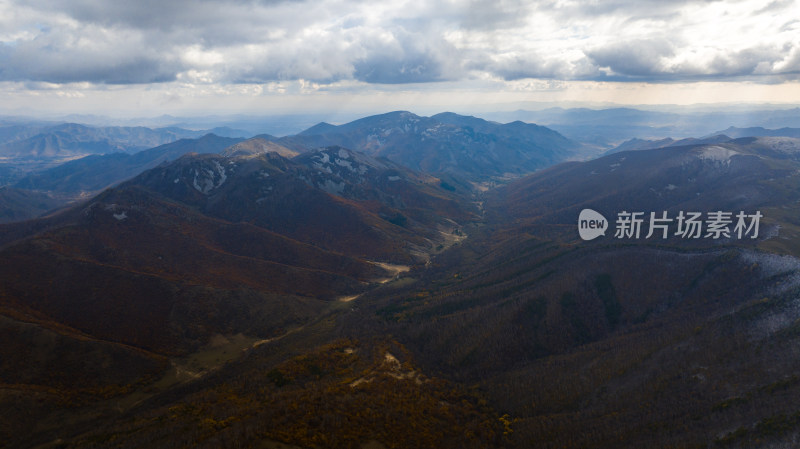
point(73, 139)
point(457, 147)
point(318, 129)
point(594, 117)
point(94, 173)
point(13, 131)
point(606, 128)
point(60, 142)
point(761, 132)
point(70, 140)
point(447, 143)
point(277, 125)
point(81, 178)
point(642, 144)
point(602, 128)
point(468, 148)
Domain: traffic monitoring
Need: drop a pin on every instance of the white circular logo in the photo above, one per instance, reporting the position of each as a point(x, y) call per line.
point(591, 224)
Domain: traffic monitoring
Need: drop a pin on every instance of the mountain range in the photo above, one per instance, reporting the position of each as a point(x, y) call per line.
point(91, 174)
point(758, 131)
point(459, 150)
point(68, 140)
point(644, 144)
point(222, 245)
point(356, 286)
point(466, 147)
point(608, 127)
point(79, 179)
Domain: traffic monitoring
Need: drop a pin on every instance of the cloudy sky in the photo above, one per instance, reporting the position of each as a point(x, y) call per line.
point(148, 57)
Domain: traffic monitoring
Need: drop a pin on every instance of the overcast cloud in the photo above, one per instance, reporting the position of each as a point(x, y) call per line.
point(219, 43)
point(235, 41)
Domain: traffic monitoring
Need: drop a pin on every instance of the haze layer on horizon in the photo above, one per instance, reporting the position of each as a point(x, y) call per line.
point(263, 57)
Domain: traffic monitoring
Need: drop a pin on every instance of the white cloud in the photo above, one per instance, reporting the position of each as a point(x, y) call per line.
point(244, 41)
point(331, 44)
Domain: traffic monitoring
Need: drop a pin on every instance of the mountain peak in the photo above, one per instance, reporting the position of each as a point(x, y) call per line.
point(447, 143)
point(256, 146)
point(319, 128)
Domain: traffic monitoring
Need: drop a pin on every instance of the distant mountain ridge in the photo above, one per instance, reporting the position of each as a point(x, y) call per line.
point(608, 127)
point(459, 149)
point(94, 173)
point(447, 143)
point(758, 131)
point(644, 144)
point(469, 148)
point(718, 137)
point(53, 142)
point(122, 312)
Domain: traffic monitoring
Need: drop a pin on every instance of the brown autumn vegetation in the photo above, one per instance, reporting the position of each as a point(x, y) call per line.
point(519, 337)
point(342, 395)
